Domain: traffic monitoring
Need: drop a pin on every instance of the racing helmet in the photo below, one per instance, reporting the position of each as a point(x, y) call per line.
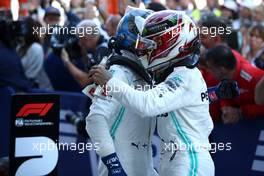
point(130, 25)
point(168, 37)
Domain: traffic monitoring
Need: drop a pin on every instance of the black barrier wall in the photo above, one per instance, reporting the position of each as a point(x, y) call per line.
point(34, 134)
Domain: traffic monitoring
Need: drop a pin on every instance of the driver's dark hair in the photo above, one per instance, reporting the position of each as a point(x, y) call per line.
point(221, 56)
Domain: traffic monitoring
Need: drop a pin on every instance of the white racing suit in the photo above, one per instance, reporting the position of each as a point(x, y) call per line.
point(119, 129)
point(183, 120)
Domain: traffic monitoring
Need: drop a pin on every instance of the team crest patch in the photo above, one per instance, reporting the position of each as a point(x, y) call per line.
point(174, 82)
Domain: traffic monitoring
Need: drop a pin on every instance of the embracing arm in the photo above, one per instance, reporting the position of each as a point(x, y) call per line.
point(101, 111)
point(165, 97)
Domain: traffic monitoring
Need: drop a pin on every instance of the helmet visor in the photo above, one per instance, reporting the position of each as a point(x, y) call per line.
point(144, 46)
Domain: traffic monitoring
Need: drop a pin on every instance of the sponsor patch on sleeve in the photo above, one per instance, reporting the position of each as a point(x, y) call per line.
point(174, 82)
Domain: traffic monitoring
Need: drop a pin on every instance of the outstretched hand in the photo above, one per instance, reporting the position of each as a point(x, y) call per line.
point(100, 75)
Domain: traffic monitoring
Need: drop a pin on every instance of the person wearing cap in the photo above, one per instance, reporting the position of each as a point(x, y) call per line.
point(52, 16)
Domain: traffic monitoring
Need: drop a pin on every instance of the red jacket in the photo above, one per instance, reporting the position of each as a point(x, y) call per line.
point(215, 107)
point(247, 76)
point(210, 80)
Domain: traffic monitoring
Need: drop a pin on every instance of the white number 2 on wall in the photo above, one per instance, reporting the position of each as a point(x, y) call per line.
point(44, 148)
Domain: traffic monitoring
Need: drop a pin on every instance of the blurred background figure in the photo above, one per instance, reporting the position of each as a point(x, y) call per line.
point(32, 56)
point(172, 4)
point(230, 11)
point(123, 4)
point(256, 42)
point(51, 19)
point(213, 6)
point(11, 71)
point(36, 11)
point(210, 39)
point(78, 8)
point(245, 12)
point(111, 24)
point(245, 20)
point(94, 42)
point(156, 6)
point(258, 14)
point(92, 47)
point(76, 4)
point(222, 64)
point(52, 16)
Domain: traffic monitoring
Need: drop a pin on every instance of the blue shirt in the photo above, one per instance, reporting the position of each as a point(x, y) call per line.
point(11, 71)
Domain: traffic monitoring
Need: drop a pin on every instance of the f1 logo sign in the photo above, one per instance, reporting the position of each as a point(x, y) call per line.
point(41, 109)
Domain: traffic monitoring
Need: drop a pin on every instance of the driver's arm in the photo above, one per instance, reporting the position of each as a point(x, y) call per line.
point(174, 93)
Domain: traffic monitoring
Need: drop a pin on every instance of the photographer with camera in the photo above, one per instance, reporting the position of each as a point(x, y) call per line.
point(93, 46)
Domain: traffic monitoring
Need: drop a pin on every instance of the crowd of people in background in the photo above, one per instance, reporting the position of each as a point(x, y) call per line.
point(38, 61)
